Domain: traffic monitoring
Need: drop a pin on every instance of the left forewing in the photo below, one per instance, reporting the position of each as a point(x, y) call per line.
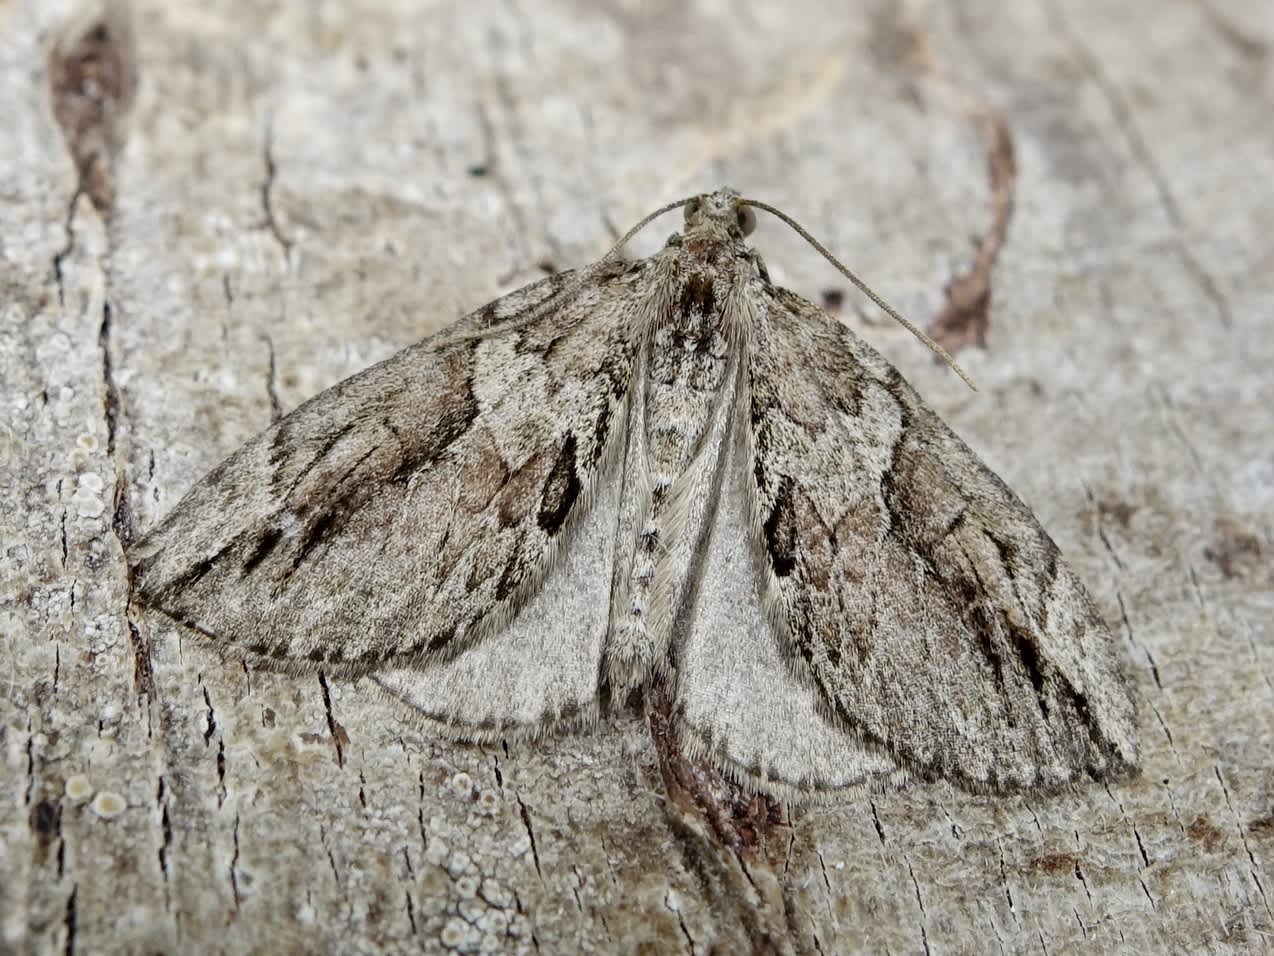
point(410, 511)
point(923, 598)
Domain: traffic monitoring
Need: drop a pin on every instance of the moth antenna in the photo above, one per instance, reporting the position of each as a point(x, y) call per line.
point(646, 221)
point(862, 286)
point(581, 278)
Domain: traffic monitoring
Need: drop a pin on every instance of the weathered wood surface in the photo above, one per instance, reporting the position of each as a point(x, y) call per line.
point(304, 188)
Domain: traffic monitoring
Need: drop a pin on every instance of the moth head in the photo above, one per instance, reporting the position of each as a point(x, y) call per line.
point(723, 208)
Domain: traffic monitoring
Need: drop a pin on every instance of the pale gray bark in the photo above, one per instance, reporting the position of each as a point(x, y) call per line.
point(304, 188)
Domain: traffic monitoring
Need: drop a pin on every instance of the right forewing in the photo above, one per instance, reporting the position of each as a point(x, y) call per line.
point(925, 601)
point(411, 509)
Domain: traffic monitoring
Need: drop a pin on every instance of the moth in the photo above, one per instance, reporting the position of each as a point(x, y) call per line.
point(672, 470)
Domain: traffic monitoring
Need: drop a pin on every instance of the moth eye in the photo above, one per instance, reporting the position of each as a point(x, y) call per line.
point(693, 208)
point(746, 219)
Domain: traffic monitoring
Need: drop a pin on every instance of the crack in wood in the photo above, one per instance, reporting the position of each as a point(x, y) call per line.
point(335, 731)
point(525, 815)
point(267, 195)
point(1125, 118)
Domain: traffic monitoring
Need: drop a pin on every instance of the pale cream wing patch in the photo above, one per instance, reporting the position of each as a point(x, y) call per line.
point(541, 671)
point(740, 704)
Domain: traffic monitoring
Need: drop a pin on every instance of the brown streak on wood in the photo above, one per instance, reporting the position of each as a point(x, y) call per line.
point(92, 78)
point(734, 829)
point(966, 317)
point(1234, 550)
point(740, 821)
